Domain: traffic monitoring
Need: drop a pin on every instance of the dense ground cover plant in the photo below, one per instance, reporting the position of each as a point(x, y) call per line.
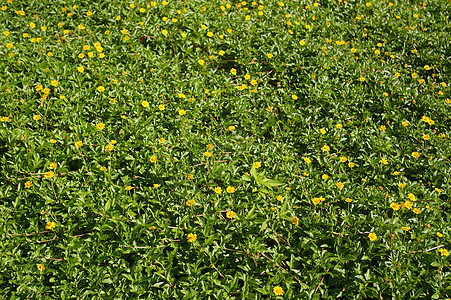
point(231, 150)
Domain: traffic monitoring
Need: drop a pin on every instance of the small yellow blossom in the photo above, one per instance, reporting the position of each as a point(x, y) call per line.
point(192, 237)
point(278, 291)
point(443, 252)
point(230, 214)
point(372, 236)
point(230, 189)
point(49, 174)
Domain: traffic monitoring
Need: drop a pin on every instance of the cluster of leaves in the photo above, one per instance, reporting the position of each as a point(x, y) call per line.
point(205, 150)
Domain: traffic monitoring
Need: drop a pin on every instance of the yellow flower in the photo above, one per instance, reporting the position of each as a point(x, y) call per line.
point(109, 147)
point(257, 164)
point(231, 128)
point(128, 188)
point(36, 117)
point(426, 137)
point(103, 169)
point(49, 174)
point(340, 185)
point(339, 126)
point(295, 221)
point(316, 201)
point(50, 225)
point(414, 75)
point(395, 206)
point(408, 204)
point(28, 184)
point(405, 228)
point(325, 176)
point(190, 177)
point(80, 69)
point(79, 144)
point(343, 159)
point(294, 97)
point(402, 185)
point(230, 214)
point(100, 126)
point(145, 104)
point(201, 62)
point(270, 55)
point(218, 190)
point(156, 185)
point(81, 27)
point(161, 107)
point(190, 202)
point(372, 236)
point(351, 164)
point(230, 189)
point(279, 198)
point(100, 89)
point(368, 4)
point(362, 79)
point(208, 154)
point(41, 267)
point(405, 123)
point(325, 148)
point(417, 211)
point(307, 160)
point(210, 146)
point(4, 119)
point(323, 131)
point(233, 71)
point(209, 34)
point(164, 32)
point(277, 289)
point(416, 154)
point(427, 67)
point(383, 161)
point(221, 52)
point(182, 112)
point(153, 159)
point(443, 252)
point(439, 234)
point(302, 42)
point(52, 165)
point(192, 237)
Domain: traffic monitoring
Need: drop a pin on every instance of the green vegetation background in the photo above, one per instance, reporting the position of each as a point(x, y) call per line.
point(225, 150)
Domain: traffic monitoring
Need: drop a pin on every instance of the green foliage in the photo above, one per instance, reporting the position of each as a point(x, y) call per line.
point(225, 150)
